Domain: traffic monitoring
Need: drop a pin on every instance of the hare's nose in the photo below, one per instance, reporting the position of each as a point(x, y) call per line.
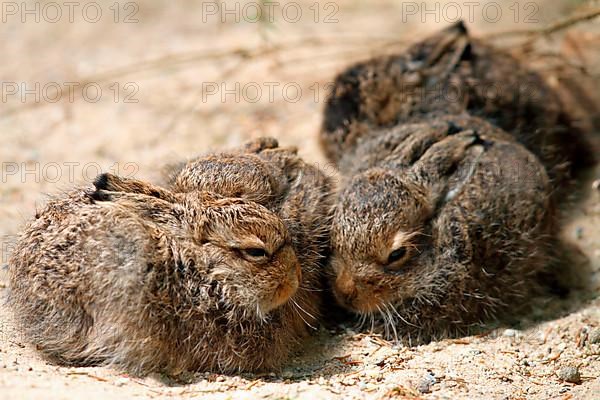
point(345, 288)
point(289, 261)
point(296, 273)
point(285, 291)
point(290, 282)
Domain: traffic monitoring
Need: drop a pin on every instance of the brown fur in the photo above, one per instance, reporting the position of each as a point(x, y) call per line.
point(450, 73)
point(155, 279)
point(469, 206)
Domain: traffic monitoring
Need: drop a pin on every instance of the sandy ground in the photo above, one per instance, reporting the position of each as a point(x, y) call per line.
point(169, 75)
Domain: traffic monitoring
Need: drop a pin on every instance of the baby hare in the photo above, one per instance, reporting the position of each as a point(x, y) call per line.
point(439, 226)
point(168, 280)
point(451, 73)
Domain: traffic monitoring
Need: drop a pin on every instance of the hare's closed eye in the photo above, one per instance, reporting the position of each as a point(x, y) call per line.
point(255, 253)
point(397, 259)
point(397, 255)
point(402, 248)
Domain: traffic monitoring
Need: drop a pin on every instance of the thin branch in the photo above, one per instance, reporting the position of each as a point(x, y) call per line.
point(535, 34)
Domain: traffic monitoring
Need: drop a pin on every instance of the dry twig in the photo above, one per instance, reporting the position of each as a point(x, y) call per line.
point(536, 33)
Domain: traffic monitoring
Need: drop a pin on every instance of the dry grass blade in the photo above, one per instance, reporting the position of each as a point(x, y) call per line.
point(537, 33)
point(88, 375)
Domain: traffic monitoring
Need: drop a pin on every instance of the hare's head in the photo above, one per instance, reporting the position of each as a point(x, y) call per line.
point(234, 253)
point(248, 256)
point(240, 175)
point(376, 232)
point(381, 230)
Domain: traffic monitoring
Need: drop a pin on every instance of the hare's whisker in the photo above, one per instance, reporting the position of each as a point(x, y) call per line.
point(300, 314)
point(309, 289)
point(389, 308)
point(385, 321)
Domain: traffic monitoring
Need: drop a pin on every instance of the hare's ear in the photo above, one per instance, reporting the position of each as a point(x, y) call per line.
point(147, 207)
point(458, 27)
point(260, 144)
point(462, 41)
point(432, 169)
point(114, 183)
point(445, 48)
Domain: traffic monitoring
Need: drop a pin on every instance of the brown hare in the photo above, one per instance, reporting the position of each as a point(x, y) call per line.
point(451, 73)
point(154, 279)
point(439, 226)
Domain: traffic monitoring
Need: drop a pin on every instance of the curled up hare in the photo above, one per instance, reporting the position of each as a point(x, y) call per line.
point(439, 226)
point(551, 113)
point(203, 275)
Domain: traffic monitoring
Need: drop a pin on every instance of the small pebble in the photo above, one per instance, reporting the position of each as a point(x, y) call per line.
point(436, 348)
point(569, 374)
point(350, 381)
point(121, 381)
point(426, 382)
point(510, 333)
point(287, 374)
point(594, 337)
point(373, 374)
point(596, 184)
